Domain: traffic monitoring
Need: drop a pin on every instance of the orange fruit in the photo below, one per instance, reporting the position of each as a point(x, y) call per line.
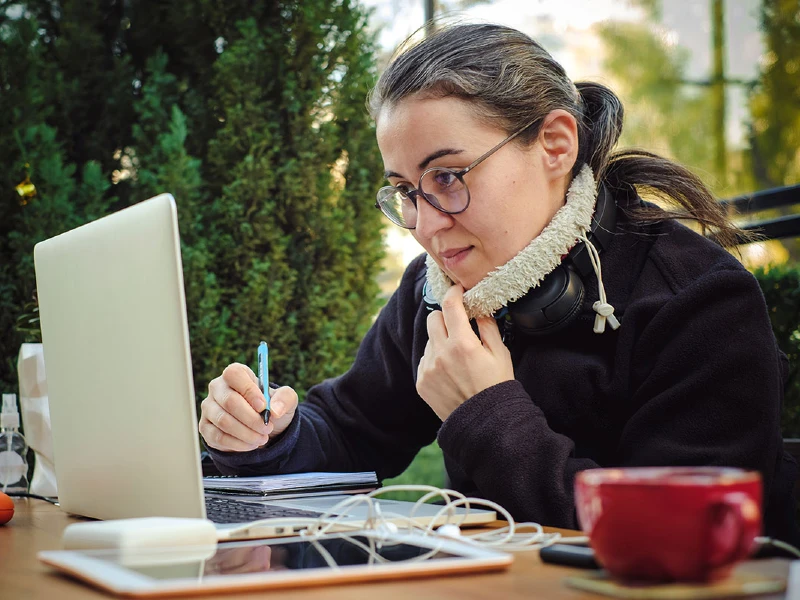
point(6, 508)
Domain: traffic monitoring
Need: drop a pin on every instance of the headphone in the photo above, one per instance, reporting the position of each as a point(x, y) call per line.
point(553, 304)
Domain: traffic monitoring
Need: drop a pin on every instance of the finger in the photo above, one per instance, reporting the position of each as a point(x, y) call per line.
point(455, 315)
point(423, 360)
point(490, 333)
point(219, 440)
point(242, 379)
point(216, 438)
point(283, 402)
point(428, 352)
point(230, 424)
point(437, 331)
point(233, 403)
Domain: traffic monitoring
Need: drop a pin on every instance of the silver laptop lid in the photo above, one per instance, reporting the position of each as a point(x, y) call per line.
point(116, 349)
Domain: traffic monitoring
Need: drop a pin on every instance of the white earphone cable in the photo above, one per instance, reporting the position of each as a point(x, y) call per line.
point(445, 522)
point(604, 310)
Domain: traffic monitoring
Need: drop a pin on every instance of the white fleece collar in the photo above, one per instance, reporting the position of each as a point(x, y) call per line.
point(526, 270)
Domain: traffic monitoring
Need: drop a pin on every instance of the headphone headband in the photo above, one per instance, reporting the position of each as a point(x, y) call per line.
point(604, 224)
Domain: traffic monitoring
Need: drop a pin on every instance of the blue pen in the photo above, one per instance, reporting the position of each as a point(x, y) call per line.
point(263, 375)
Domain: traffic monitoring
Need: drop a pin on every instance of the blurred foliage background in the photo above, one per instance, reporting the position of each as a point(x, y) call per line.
point(252, 115)
point(781, 287)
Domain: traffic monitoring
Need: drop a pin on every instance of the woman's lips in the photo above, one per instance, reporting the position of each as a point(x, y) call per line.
point(454, 257)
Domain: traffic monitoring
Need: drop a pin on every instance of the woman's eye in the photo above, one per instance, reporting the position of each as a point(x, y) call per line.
point(444, 179)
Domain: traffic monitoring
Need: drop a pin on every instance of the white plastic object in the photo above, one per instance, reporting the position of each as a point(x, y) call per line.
point(140, 533)
point(9, 418)
point(34, 410)
point(450, 530)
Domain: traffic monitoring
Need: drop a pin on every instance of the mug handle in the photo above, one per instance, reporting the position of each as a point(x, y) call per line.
point(736, 521)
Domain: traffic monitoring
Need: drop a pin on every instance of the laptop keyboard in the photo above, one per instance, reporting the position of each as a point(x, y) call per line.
point(232, 510)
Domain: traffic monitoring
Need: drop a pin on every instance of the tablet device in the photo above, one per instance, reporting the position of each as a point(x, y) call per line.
point(275, 563)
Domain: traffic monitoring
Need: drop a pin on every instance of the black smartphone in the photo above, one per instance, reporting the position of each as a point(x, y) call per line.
point(569, 555)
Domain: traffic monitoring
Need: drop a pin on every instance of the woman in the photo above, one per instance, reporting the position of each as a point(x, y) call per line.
point(619, 339)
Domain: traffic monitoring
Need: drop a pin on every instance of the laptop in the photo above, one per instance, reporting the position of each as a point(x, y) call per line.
point(119, 375)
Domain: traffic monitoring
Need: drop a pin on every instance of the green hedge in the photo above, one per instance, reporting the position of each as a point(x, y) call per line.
point(781, 286)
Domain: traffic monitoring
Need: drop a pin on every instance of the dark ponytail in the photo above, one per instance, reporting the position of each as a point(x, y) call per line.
point(646, 172)
point(654, 175)
point(600, 125)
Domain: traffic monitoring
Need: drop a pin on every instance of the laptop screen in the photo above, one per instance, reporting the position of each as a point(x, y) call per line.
point(116, 349)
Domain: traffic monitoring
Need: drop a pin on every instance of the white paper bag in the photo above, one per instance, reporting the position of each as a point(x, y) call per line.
point(35, 412)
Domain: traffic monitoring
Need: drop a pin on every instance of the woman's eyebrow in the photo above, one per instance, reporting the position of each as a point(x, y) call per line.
point(427, 160)
point(437, 154)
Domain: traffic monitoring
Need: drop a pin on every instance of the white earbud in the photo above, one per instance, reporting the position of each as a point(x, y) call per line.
point(386, 528)
point(450, 530)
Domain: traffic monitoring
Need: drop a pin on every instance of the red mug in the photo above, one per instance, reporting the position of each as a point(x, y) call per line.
point(669, 523)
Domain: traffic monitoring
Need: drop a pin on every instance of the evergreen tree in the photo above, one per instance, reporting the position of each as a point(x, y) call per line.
point(251, 114)
point(297, 239)
point(89, 77)
point(161, 163)
point(43, 192)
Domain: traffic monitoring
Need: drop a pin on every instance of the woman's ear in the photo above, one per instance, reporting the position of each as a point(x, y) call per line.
point(559, 140)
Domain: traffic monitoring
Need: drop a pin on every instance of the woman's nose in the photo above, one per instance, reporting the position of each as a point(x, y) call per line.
point(430, 220)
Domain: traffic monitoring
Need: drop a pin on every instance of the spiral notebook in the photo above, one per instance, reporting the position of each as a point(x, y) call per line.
point(294, 485)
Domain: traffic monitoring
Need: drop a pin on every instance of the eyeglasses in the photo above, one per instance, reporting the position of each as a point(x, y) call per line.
point(444, 189)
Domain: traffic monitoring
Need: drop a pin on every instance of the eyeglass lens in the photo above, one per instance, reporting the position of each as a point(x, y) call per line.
point(442, 188)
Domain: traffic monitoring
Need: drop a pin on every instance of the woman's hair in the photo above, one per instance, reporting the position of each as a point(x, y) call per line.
point(510, 80)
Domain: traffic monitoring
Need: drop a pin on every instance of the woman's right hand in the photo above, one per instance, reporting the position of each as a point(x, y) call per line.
point(230, 419)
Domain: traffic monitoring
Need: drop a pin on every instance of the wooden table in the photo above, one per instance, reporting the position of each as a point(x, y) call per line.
point(38, 525)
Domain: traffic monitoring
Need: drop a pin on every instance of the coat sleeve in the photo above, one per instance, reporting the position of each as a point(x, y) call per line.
point(705, 390)
point(370, 418)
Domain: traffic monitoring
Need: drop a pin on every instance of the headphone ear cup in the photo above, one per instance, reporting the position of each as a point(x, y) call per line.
point(428, 299)
point(551, 305)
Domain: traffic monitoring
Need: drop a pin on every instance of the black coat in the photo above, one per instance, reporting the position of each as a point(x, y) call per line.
point(692, 377)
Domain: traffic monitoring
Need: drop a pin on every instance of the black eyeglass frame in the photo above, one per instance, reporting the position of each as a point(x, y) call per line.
point(412, 194)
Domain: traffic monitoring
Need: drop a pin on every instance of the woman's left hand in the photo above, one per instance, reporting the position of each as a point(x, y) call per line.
point(457, 364)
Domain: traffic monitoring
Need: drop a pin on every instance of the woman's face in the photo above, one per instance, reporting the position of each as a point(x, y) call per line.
point(513, 194)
